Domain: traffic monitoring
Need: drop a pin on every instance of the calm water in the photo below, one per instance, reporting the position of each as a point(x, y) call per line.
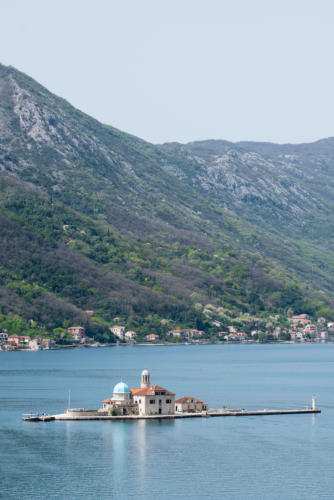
point(276, 457)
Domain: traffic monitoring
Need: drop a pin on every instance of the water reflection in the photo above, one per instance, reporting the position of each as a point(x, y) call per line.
point(128, 448)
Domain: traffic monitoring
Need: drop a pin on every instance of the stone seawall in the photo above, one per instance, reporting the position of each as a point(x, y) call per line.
point(95, 415)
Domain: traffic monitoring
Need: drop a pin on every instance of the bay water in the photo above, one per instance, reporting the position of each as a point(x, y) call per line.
point(255, 457)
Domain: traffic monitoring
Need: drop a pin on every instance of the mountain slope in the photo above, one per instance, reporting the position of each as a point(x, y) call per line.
point(285, 191)
point(277, 183)
point(93, 218)
point(57, 263)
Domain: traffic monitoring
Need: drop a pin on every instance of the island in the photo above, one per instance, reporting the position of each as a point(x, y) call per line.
point(153, 401)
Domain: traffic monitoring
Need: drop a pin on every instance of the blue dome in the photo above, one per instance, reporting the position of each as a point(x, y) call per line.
point(121, 388)
point(121, 392)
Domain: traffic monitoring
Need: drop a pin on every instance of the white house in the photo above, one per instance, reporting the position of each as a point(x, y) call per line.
point(130, 335)
point(118, 331)
point(189, 405)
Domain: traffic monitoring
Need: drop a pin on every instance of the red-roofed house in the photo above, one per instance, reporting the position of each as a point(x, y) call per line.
point(130, 335)
point(48, 343)
point(189, 405)
point(18, 340)
point(77, 332)
point(300, 318)
point(152, 337)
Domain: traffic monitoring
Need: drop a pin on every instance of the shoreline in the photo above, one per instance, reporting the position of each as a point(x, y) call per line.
point(165, 344)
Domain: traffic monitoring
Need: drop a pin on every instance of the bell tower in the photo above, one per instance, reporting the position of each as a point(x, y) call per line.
point(145, 379)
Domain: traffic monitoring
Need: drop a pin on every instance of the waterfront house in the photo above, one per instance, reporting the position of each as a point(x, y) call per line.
point(152, 337)
point(118, 331)
point(236, 337)
point(48, 343)
point(77, 332)
point(35, 344)
point(193, 333)
point(3, 338)
point(189, 405)
point(324, 335)
point(130, 335)
point(18, 340)
point(175, 333)
point(292, 335)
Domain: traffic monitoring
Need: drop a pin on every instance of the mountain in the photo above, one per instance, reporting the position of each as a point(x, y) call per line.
point(285, 191)
point(159, 235)
point(277, 184)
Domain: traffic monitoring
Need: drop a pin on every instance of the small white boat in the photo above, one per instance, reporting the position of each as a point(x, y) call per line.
point(31, 417)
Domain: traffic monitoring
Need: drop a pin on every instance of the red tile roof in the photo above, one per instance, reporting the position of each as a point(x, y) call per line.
point(149, 391)
point(139, 391)
point(188, 399)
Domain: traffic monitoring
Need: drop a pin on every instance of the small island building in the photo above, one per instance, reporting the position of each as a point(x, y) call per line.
point(121, 402)
point(145, 400)
point(189, 405)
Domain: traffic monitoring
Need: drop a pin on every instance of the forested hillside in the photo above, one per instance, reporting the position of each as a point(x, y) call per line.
point(95, 219)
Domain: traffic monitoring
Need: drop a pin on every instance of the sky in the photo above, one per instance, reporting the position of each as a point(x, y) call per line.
point(184, 70)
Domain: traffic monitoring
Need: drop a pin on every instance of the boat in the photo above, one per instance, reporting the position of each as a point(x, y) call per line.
point(31, 417)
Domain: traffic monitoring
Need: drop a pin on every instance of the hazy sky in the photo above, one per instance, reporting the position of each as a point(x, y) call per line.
point(183, 70)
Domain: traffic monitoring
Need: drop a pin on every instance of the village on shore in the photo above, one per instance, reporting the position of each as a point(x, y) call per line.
point(299, 329)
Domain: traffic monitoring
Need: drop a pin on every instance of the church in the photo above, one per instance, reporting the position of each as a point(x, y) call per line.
point(145, 400)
